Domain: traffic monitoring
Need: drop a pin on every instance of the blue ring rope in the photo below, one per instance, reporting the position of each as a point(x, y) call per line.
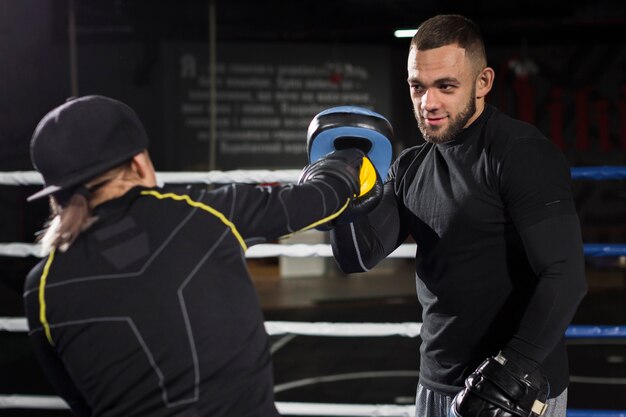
point(604, 249)
point(599, 173)
point(593, 331)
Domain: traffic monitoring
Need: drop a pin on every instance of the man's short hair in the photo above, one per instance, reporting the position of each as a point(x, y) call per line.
point(450, 29)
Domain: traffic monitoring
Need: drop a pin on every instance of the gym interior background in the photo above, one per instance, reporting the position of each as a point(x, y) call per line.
point(273, 65)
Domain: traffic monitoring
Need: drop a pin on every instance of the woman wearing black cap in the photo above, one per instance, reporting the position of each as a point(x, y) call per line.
point(143, 305)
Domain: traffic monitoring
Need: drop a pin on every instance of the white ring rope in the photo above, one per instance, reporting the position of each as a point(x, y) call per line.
point(20, 178)
point(258, 176)
point(355, 410)
point(277, 328)
point(226, 177)
point(264, 250)
point(20, 250)
point(13, 324)
point(325, 329)
point(318, 250)
point(32, 401)
point(354, 329)
point(282, 176)
point(285, 408)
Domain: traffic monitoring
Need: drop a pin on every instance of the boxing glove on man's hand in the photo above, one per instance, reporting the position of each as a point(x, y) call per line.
point(352, 167)
point(499, 388)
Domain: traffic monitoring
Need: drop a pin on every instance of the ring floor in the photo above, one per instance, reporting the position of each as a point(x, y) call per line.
point(353, 367)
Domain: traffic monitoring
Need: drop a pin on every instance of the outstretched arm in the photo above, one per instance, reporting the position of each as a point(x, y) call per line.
point(326, 192)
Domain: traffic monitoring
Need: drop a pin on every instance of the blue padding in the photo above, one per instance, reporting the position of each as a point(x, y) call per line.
point(379, 154)
point(592, 331)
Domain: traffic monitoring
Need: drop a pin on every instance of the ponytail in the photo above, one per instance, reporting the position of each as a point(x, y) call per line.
point(68, 221)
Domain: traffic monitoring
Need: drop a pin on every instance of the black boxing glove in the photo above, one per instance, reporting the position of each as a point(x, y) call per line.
point(352, 167)
point(499, 388)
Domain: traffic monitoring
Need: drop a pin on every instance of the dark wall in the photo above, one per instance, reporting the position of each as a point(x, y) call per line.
point(33, 75)
point(131, 51)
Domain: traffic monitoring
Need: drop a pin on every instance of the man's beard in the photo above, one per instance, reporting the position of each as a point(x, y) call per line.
point(457, 124)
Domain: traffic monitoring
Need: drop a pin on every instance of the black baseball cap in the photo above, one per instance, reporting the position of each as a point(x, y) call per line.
point(83, 138)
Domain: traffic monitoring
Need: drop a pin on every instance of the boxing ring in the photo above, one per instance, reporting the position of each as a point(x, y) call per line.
point(290, 329)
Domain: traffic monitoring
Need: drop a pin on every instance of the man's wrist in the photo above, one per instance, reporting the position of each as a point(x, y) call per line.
point(514, 358)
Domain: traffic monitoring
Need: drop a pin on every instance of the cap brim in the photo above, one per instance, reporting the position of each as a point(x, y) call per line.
point(51, 189)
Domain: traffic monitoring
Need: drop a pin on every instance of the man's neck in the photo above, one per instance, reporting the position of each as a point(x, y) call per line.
point(113, 189)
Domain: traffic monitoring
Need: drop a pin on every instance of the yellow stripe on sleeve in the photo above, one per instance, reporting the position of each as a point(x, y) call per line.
point(201, 206)
point(42, 299)
point(322, 221)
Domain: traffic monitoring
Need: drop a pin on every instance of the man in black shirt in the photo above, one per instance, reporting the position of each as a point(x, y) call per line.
point(499, 263)
point(143, 305)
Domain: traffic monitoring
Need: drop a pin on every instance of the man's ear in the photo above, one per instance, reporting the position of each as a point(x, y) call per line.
point(141, 165)
point(484, 82)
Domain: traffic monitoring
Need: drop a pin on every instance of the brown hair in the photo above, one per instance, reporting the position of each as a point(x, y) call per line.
point(449, 29)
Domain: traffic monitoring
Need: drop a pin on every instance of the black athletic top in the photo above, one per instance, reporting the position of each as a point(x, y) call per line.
point(499, 263)
point(151, 312)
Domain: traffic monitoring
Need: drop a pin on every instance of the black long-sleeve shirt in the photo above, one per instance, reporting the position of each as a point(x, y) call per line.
point(151, 312)
point(499, 262)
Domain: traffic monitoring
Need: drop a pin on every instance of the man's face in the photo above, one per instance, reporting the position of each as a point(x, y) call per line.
point(442, 83)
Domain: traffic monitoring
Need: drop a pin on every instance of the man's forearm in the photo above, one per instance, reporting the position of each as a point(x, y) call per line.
point(555, 251)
